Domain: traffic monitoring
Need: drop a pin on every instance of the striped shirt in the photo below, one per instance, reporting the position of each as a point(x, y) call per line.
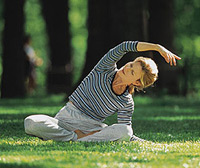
point(95, 97)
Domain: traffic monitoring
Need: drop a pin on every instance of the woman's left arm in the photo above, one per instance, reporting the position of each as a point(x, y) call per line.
point(166, 54)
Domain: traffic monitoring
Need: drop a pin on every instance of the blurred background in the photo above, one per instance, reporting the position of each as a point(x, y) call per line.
point(49, 46)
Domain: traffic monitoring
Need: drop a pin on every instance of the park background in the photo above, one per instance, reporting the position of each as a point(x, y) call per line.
point(71, 36)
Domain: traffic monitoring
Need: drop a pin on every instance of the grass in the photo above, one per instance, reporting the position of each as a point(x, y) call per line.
point(170, 124)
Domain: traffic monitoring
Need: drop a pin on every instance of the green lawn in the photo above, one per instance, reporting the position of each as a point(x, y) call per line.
point(171, 124)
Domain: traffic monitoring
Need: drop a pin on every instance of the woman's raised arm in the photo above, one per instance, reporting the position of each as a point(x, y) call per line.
point(166, 54)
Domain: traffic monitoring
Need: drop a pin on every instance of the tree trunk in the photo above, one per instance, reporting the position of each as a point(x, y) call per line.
point(59, 73)
point(98, 33)
point(13, 80)
point(161, 31)
point(126, 20)
point(110, 23)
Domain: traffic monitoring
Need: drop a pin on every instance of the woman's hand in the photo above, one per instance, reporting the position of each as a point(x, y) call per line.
point(167, 55)
point(80, 134)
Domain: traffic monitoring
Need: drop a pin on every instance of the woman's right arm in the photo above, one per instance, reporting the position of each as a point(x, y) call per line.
point(110, 59)
point(166, 54)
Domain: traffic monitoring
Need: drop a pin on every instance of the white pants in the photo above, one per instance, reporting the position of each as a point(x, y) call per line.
point(69, 119)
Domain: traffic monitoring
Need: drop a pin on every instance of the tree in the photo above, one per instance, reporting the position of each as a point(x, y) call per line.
point(56, 17)
point(13, 58)
point(98, 33)
point(161, 30)
point(110, 23)
point(127, 21)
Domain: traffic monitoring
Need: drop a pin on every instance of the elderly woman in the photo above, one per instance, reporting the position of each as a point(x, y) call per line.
point(105, 91)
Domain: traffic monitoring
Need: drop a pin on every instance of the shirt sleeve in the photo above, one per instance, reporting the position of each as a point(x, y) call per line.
point(124, 117)
point(110, 59)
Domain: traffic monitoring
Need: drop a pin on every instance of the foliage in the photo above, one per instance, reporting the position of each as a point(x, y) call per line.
point(170, 124)
point(35, 26)
point(77, 19)
point(187, 40)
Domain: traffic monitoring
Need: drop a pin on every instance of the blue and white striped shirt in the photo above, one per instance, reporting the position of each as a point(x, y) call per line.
point(95, 97)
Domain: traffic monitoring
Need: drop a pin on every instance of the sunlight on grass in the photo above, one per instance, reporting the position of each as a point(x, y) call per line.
point(111, 154)
point(171, 126)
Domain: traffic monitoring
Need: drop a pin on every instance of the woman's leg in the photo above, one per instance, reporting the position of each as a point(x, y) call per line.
point(47, 127)
point(111, 133)
point(70, 118)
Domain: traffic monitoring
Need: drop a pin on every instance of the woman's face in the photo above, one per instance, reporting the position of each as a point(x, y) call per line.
point(131, 73)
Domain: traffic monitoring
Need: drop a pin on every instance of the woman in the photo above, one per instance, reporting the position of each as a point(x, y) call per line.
point(105, 91)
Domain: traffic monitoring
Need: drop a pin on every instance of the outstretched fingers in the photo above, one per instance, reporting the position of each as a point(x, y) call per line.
point(178, 58)
point(174, 58)
point(171, 59)
point(168, 56)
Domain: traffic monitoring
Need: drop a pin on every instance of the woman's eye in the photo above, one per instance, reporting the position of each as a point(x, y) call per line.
point(132, 72)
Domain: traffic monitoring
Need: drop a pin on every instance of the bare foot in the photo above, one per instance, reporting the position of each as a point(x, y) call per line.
point(80, 134)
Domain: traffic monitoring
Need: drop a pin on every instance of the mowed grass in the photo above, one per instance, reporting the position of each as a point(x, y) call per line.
point(170, 124)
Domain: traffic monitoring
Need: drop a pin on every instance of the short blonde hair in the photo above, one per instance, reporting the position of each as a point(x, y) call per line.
point(149, 73)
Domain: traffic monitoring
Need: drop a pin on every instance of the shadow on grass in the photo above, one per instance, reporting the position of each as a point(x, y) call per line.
point(48, 100)
point(168, 131)
point(170, 101)
point(167, 112)
point(167, 119)
point(10, 117)
point(21, 165)
point(12, 125)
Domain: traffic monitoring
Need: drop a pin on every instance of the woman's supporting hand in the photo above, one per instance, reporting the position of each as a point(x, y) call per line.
point(166, 54)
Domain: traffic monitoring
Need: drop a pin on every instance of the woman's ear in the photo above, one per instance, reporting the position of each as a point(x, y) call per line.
point(138, 83)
